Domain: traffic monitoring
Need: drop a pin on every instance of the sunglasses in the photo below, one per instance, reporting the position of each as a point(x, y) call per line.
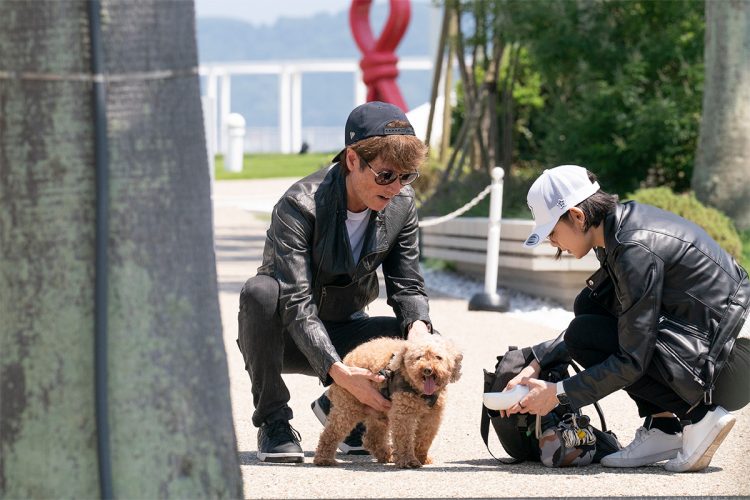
point(385, 177)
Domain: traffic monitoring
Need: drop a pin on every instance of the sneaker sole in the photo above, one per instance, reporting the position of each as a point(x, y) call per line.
point(352, 450)
point(705, 459)
point(641, 462)
point(281, 458)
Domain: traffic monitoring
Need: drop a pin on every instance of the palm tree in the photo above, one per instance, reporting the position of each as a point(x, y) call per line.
point(171, 432)
point(722, 166)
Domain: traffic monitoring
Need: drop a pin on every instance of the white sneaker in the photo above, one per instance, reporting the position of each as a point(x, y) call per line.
point(701, 440)
point(649, 446)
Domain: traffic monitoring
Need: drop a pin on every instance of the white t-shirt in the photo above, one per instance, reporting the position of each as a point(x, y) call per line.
point(356, 223)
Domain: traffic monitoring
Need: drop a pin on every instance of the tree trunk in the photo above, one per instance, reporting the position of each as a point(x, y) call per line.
point(722, 163)
point(169, 408)
point(508, 115)
point(437, 70)
point(489, 127)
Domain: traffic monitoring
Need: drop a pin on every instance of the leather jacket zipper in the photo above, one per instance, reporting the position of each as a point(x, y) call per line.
point(322, 299)
point(682, 363)
point(689, 329)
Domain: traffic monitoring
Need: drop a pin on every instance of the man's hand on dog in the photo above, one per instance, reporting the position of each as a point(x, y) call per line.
point(358, 381)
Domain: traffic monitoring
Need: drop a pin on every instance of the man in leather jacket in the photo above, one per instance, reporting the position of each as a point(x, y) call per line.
point(305, 309)
point(660, 319)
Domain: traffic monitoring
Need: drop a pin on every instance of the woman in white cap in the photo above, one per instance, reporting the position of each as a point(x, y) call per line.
point(663, 318)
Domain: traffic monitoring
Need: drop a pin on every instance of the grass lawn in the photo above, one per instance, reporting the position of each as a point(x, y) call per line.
point(268, 166)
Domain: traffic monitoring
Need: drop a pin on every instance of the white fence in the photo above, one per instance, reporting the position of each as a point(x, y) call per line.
point(290, 133)
point(463, 241)
point(319, 139)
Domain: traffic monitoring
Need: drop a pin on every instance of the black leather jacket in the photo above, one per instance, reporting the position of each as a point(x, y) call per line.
point(680, 300)
point(307, 251)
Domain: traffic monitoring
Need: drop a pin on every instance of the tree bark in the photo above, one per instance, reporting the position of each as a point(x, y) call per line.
point(722, 163)
point(437, 70)
point(169, 407)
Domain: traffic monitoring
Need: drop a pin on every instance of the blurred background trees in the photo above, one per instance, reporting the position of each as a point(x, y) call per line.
point(613, 85)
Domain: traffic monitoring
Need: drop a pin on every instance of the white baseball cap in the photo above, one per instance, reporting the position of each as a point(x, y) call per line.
point(554, 193)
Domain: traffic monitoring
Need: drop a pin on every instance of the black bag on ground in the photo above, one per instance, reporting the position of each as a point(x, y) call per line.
point(564, 437)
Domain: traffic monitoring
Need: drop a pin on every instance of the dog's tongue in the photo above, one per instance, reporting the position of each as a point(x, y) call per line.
point(429, 385)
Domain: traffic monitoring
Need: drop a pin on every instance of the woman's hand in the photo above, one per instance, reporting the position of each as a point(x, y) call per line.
point(358, 381)
point(530, 371)
point(541, 399)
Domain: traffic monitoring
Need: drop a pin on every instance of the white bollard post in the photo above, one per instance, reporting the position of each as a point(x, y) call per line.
point(490, 300)
point(236, 147)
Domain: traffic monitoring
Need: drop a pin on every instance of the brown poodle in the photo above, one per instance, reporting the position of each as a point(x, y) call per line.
point(417, 373)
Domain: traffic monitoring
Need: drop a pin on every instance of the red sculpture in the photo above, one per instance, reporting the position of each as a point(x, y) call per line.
point(378, 62)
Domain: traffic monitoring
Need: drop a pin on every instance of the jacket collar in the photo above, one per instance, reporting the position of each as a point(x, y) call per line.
point(612, 223)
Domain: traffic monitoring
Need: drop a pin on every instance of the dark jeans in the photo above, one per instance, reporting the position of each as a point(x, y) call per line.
point(270, 351)
point(592, 337)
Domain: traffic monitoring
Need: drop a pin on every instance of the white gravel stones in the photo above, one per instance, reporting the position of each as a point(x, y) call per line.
point(540, 311)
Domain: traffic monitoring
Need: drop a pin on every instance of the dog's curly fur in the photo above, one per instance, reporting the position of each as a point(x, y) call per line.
point(412, 421)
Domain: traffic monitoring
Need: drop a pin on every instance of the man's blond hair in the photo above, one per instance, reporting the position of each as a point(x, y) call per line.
point(403, 153)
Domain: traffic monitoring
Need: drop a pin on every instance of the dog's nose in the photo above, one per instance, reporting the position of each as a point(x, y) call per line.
point(427, 372)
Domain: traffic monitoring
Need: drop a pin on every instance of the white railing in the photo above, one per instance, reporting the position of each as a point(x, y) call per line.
point(218, 92)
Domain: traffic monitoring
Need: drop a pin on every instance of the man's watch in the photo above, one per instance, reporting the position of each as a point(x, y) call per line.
point(562, 398)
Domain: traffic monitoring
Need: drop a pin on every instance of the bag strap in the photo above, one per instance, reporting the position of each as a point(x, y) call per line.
point(511, 356)
point(484, 430)
point(598, 408)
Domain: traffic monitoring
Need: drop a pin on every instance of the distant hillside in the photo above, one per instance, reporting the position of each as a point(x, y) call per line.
point(327, 98)
point(320, 36)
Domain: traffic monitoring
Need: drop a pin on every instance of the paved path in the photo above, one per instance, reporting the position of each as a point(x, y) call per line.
point(463, 468)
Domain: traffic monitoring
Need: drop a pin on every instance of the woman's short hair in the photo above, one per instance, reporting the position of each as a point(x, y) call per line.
point(595, 208)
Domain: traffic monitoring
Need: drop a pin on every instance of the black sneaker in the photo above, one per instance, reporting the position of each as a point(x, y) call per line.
point(352, 445)
point(279, 442)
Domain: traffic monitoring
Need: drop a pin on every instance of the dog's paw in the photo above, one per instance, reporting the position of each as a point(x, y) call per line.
point(411, 463)
point(324, 462)
point(383, 458)
point(426, 460)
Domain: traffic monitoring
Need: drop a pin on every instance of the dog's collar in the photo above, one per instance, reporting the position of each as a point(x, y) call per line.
point(395, 382)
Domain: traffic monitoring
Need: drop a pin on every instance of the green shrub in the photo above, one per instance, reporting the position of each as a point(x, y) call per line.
point(745, 237)
point(715, 223)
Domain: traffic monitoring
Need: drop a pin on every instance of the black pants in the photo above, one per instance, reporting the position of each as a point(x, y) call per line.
point(592, 337)
point(270, 351)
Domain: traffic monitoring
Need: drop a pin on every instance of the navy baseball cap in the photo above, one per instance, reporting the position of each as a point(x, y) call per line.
point(370, 120)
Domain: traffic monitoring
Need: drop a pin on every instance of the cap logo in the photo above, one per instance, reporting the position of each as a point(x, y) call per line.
point(351, 135)
point(398, 131)
point(561, 203)
point(533, 239)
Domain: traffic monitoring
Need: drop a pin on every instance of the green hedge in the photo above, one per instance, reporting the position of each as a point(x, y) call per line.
point(715, 223)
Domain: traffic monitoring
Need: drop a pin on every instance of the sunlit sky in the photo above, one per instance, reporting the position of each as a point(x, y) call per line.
point(267, 11)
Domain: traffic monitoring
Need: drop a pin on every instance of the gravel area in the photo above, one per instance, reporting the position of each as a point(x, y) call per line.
point(540, 311)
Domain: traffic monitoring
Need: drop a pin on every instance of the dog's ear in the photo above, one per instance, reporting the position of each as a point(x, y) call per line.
point(458, 357)
point(397, 359)
point(456, 374)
